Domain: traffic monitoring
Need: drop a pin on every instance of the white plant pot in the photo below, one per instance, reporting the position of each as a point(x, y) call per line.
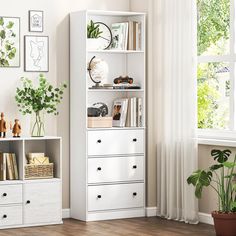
point(93, 44)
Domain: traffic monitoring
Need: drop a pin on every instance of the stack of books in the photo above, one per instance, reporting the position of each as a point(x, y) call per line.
point(134, 36)
point(8, 167)
point(126, 36)
point(134, 116)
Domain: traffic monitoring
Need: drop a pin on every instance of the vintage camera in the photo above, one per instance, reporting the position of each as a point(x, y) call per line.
point(97, 109)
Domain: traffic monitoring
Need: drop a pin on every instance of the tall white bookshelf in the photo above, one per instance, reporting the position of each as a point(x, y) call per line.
point(107, 164)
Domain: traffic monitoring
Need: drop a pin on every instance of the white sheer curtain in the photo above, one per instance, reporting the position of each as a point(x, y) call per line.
point(172, 44)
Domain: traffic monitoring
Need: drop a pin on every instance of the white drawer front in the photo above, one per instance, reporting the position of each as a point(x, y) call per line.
point(115, 169)
point(116, 142)
point(10, 194)
point(10, 215)
point(42, 202)
point(108, 197)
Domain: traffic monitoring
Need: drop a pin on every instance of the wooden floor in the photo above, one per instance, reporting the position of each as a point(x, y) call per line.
point(128, 227)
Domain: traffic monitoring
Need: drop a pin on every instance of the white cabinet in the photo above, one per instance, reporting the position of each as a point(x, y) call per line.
point(42, 203)
point(31, 202)
point(115, 142)
point(107, 165)
point(115, 169)
point(10, 215)
point(110, 197)
point(11, 194)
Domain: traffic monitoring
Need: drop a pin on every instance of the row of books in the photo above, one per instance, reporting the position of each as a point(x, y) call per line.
point(127, 112)
point(134, 115)
point(8, 167)
point(126, 36)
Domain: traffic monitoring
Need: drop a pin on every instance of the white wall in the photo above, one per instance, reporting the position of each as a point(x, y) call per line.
point(56, 26)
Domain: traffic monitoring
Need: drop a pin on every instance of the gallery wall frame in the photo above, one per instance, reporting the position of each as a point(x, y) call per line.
point(36, 21)
point(10, 50)
point(36, 53)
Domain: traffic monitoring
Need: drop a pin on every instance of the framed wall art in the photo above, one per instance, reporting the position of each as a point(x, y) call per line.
point(9, 41)
point(36, 53)
point(35, 21)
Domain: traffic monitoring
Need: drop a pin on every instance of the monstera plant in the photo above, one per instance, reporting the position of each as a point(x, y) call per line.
point(221, 178)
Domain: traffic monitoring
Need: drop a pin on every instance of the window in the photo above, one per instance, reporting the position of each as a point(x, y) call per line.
point(216, 65)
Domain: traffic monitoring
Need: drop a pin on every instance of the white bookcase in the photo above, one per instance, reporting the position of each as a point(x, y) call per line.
point(107, 164)
point(31, 202)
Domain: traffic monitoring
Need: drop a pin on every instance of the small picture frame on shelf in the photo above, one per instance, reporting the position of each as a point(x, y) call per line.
point(119, 113)
point(35, 21)
point(36, 53)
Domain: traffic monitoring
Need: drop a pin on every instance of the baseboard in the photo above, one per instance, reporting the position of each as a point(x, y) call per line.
point(205, 218)
point(119, 214)
point(65, 213)
point(151, 211)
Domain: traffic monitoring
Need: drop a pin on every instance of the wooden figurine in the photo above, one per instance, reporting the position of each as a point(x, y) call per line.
point(3, 126)
point(16, 130)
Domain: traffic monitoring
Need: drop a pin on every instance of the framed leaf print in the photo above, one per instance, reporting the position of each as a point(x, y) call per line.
point(9, 41)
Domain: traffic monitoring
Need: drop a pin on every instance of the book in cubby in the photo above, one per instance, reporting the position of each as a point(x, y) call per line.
point(128, 112)
point(126, 36)
point(8, 167)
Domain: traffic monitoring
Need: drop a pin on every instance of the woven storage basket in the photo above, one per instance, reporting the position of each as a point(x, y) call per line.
point(44, 171)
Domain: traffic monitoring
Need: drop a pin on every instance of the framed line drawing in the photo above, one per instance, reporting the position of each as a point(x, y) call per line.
point(35, 21)
point(9, 41)
point(36, 53)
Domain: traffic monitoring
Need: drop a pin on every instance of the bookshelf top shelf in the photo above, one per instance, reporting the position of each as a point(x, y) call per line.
point(116, 51)
point(29, 138)
point(114, 13)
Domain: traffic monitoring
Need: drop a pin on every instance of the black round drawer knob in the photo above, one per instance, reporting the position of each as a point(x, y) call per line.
point(134, 140)
point(134, 167)
point(28, 202)
point(134, 194)
point(99, 141)
point(4, 194)
point(4, 216)
point(99, 168)
point(99, 196)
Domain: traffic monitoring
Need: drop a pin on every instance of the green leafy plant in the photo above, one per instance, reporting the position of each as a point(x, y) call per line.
point(220, 177)
point(93, 30)
point(7, 48)
point(34, 99)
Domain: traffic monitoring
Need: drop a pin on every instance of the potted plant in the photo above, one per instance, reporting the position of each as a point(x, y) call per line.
point(36, 100)
point(93, 34)
point(221, 178)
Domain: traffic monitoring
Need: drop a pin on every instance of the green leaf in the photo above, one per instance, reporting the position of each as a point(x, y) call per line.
point(229, 164)
point(216, 167)
point(200, 179)
point(2, 34)
point(220, 156)
point(10, 24)
point(1, 21)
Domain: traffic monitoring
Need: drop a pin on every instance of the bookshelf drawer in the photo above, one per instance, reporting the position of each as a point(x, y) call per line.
point(10, 215)
point(115, 142)
point(109, 197)
point(113, 169)
point(10, 194)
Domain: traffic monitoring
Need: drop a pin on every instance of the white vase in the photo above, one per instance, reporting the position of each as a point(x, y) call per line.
point(93, 44)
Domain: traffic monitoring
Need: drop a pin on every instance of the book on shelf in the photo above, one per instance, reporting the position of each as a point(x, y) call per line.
point(8, 167)
point(119, 112)
point(134, 114)
point(134, 35)
point(2, 167)
point(119, 36)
